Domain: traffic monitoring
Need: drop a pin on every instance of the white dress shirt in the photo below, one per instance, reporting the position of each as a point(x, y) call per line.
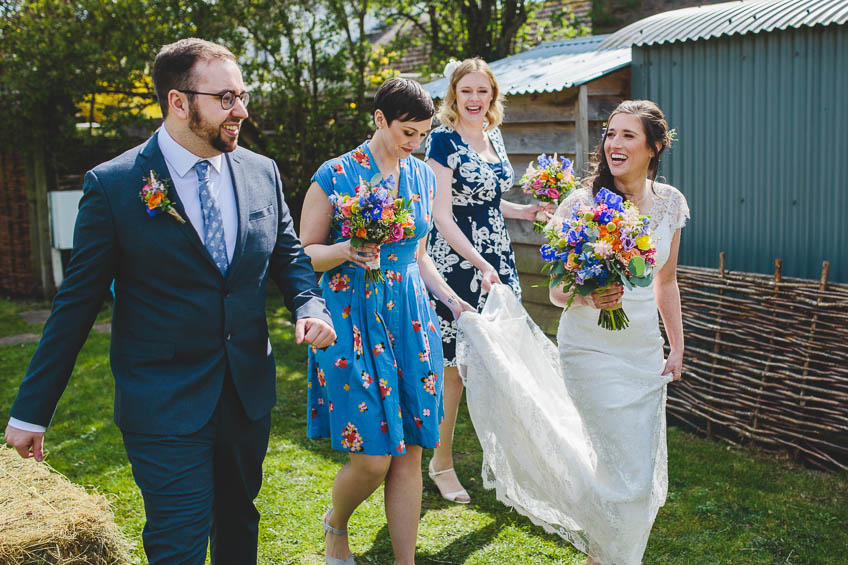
point(180, 162)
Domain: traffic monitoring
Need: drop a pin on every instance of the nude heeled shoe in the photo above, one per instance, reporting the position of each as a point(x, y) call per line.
point(451, 496)
point(328, 529)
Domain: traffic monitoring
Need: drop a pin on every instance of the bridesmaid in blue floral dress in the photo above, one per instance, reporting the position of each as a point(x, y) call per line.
point(377, 391)
point(471, 248)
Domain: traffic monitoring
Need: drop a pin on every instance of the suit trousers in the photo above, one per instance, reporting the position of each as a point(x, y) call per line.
point(199, 488)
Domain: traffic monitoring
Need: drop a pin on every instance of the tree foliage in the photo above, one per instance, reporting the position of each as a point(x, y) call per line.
point(490, 29)
point(310, 64)
point(57, 53)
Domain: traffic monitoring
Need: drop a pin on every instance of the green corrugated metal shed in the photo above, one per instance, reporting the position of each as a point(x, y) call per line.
point(762, 118)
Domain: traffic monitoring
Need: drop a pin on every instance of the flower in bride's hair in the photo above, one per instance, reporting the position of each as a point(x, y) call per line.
point(450, 67)
point(671, 137)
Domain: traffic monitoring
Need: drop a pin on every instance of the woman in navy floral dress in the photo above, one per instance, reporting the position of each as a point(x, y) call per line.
point(471, 248)
point(377, 391)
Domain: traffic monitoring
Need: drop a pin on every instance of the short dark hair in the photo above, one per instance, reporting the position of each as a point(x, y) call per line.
point(173, 64)
point(404, 99)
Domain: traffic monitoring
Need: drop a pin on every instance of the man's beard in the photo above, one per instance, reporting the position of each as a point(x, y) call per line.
point(208, 132)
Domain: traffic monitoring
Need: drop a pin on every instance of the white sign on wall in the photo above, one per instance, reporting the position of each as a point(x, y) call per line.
point(63, 205)
point(63, 214)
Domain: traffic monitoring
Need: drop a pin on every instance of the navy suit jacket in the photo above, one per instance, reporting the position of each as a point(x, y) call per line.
point(178, 323)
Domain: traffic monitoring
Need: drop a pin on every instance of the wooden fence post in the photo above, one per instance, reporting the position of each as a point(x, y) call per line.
point(778, 265)
point(722, 261)
point(822, 287)
point(581, 118)
point(40, 220)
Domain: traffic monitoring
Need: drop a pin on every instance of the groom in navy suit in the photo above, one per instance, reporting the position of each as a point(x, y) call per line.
point(194, 372)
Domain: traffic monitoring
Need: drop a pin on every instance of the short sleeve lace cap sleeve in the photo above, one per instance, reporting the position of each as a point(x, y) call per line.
point(671, 206)
point(680, 214)
point(439, 146)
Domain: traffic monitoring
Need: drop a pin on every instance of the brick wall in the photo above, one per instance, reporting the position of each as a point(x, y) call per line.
point(16, 269)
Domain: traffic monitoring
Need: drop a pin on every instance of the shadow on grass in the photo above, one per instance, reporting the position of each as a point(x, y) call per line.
point(457, 551)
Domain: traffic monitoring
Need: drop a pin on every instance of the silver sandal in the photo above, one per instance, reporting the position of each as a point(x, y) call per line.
point(328, 529)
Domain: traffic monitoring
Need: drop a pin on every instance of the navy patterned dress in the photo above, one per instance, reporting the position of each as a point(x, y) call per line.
point(378, 388)
point(477, 188)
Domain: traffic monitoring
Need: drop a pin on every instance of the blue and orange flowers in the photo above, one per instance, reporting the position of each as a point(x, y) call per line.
point(551, 182)
point(374, 214)
point(598, 246)
point(154, 194)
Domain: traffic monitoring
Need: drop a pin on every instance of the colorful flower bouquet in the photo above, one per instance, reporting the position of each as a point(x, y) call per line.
point(551, 182)
point(599, 246)
point(374, 214)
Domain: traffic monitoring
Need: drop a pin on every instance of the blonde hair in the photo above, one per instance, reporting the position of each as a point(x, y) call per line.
point(448, 113)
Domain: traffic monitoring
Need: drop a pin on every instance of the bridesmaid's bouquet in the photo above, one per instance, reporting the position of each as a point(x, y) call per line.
point(552, 181)
point(598, 246)
point(374, 214)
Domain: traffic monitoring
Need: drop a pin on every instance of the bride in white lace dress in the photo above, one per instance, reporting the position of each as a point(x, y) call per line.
point(577, 441)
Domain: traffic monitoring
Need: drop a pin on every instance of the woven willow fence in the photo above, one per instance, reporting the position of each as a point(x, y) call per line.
point(766, 362)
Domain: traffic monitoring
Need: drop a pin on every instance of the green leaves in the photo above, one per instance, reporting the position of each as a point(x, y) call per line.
point(641, 281)
point(641, 273)
point(636, 266)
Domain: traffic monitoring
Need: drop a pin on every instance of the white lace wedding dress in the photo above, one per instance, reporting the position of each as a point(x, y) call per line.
point(575, 439)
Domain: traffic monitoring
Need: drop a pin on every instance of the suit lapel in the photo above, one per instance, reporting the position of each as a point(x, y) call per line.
point(242, 204)
point(152, 159)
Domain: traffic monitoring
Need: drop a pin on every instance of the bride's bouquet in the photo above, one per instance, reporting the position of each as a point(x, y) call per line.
point(374, 214)
point(552, 181)
point(599, 246)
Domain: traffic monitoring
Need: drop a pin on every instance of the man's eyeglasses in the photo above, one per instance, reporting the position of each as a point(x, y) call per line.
point(228, 98)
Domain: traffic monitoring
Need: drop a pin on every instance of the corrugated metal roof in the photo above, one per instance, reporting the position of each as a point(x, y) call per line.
point(729, 18)
point(551, 66)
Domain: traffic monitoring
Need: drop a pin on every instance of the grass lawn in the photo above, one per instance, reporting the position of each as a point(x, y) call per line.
point(11, 323)
point(725, 505)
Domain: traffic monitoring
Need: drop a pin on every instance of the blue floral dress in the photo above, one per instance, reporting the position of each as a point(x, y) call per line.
point(477, 188)
point(378, 388)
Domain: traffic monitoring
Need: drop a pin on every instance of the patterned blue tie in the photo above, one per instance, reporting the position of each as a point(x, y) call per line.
point(213, 225)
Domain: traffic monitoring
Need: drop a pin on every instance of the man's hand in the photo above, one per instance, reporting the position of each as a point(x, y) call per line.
point(28, 444)
point(315, 332)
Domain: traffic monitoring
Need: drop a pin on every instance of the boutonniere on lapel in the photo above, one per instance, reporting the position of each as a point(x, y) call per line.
point(154, 194)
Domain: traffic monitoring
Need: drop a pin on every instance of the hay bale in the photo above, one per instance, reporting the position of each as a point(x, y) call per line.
point(44, 518)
